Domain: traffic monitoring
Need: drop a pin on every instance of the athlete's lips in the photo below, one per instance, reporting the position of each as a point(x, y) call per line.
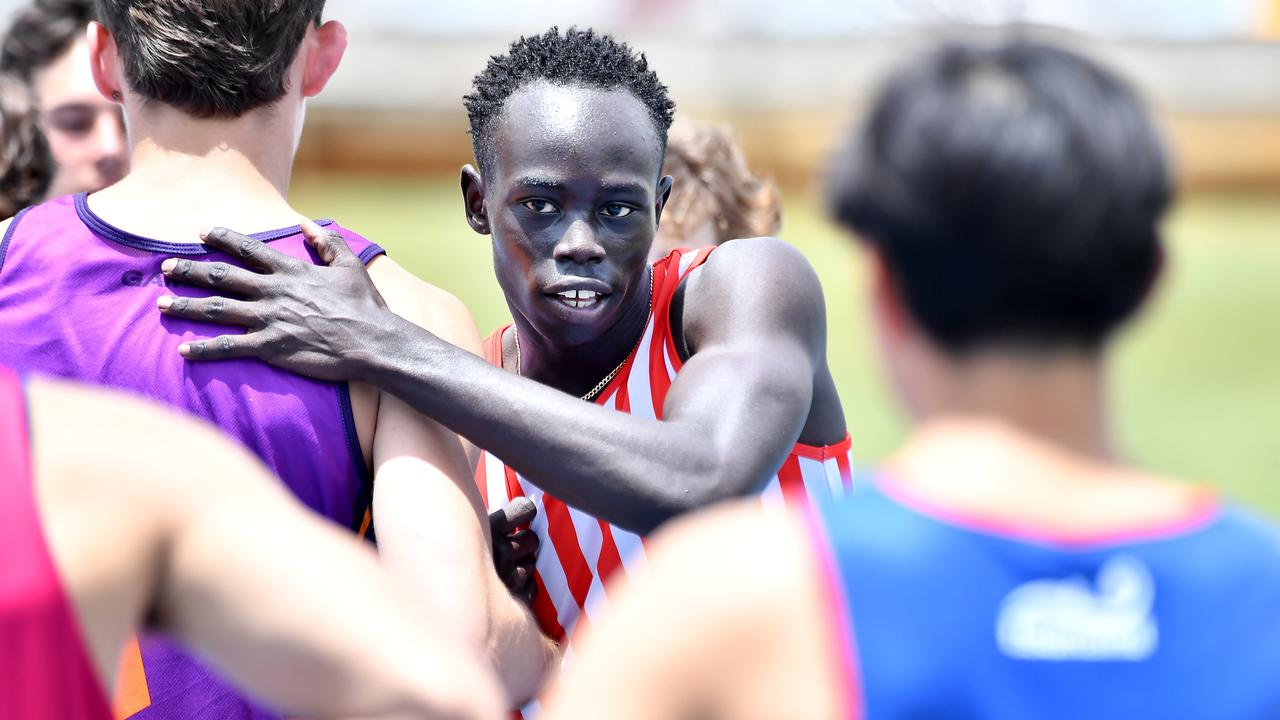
point(578, 293)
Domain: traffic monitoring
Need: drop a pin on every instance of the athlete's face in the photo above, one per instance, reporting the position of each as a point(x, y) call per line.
point(86, 131)
point(572, 200)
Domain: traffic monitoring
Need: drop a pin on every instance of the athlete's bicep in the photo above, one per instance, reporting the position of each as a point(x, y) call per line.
point(755, 323)
point(429, 516)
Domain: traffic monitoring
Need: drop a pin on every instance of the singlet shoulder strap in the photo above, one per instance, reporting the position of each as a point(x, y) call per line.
point(493, 346)
point(668, 273)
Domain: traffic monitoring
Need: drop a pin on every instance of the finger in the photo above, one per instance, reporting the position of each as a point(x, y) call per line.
point(212, 309)
point(521, 544)
point(250, 249)
point(330, 246)
point(520, 511)
point(224, 347)
point(517, 579)
point(216, 275)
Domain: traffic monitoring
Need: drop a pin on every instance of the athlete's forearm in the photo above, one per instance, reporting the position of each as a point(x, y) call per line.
point(632, 472)
point(521, 654)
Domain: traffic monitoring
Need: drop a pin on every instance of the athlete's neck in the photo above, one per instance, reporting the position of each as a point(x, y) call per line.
point(188, 174)
point(1060, 399)
point(578, 369)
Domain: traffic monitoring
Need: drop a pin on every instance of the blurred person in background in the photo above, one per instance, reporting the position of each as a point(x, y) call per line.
point(1005, 562)
point(26, 167)
point(626, 392)
point(203, 150)
point(100, 536)
point(715, 197)
point(46, 47)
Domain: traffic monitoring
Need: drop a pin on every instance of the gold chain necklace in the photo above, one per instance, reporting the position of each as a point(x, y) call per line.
point(515, 332)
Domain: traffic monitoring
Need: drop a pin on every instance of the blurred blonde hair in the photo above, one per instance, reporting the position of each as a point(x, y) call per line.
point(713, 185)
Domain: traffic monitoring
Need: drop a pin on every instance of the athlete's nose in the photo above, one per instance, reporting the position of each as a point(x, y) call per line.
point(579, 245)
point(113, 157)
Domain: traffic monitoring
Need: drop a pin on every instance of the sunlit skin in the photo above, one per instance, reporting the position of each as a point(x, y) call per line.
point(572, 194)
point(86, 131)
point(572, 201)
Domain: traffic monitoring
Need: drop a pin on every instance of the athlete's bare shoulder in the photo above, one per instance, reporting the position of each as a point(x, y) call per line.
point(755, 285)
point(424, 304)
point(762, 295)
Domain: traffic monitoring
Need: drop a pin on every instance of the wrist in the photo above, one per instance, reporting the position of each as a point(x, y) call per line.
point(381, 349)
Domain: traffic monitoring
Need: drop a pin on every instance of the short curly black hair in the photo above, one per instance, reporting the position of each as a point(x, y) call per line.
point(581, 58)
point(41, 32)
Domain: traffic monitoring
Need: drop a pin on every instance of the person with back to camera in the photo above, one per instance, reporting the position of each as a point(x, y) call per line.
point(1005, 562)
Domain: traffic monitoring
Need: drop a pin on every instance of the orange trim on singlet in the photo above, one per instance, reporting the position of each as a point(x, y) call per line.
point(132, 695)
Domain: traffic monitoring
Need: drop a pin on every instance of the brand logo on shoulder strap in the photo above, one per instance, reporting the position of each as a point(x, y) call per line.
point(1072, 619)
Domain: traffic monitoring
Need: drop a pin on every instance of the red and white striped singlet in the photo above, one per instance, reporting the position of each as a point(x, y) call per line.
point(580, 552)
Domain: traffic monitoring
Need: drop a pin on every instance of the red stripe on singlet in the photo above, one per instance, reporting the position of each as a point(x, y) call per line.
point(659, 380)
point(610, 559)
point(565, 539)
point(791, 481)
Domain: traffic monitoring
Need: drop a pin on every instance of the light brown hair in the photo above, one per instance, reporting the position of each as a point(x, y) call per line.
point(713, 184)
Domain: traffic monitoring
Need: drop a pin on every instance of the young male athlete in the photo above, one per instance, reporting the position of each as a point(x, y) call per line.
point(205, 149)
point(46, 48)
point(1004, 563)
point(100, 533)
point(628, 392)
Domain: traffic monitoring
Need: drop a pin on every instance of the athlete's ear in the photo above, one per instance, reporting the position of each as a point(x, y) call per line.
point(473, 200)
point(326, 46)
point(664, 194)
point(104, 62)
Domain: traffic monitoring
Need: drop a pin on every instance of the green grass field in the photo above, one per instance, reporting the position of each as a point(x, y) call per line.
point(1196, 379)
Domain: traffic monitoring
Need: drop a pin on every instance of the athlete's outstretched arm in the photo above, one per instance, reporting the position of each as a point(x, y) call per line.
point(754, 318)
point(432, 527)
point(288, 606)
point(727, 620)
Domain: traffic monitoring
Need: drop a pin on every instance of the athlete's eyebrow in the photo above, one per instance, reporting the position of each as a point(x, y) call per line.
point(614, 188)
point(537, 181)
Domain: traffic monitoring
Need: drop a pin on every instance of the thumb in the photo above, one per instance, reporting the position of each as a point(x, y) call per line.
point(330, 246)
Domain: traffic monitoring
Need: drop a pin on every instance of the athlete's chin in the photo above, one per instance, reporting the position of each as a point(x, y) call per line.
point(573, 326)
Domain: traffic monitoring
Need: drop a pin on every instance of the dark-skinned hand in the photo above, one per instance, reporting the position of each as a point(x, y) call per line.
point(515, 547)
point(304, 318)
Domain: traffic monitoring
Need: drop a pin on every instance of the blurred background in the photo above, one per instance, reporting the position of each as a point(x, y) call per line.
point(1196, 378)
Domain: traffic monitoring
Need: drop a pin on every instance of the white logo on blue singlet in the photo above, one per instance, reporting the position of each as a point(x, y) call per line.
point(1072, 619)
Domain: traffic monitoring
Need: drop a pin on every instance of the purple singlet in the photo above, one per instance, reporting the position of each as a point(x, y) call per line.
point(78, 300)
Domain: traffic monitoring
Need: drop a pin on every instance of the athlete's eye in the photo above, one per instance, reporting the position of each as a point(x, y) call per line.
point(542, 207)
point(616, 210)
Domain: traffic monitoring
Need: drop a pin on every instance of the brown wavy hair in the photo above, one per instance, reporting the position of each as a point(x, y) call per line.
point(26, 167)
point(713, 184)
